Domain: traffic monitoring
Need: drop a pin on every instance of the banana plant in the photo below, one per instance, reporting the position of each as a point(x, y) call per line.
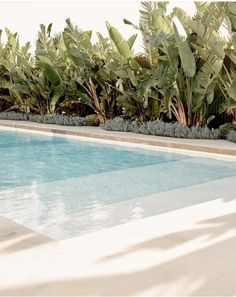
point(161, 54)
point(227, 81)
point(92, 65)
point(136, 83)
point(51, 62)
point(25, 84)
point(13, 60)
point(186, 77)
point(217, 52)
point(194, 62)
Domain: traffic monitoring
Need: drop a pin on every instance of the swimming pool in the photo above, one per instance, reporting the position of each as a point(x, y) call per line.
point(64, 187)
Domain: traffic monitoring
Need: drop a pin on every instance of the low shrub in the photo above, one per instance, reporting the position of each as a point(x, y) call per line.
point(92, 120)
point(57, 120)
point(160, 128)
point(226, 128)
point(45, 119)
point(118, 124)
point(15, 116)
point(231, 136)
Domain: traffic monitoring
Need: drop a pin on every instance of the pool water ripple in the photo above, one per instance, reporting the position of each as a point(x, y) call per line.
point(51, 182)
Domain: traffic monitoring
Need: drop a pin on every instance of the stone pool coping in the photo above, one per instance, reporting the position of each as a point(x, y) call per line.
point(218, 146)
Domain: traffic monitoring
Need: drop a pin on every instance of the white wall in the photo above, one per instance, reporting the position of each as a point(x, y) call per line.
point(24, 17)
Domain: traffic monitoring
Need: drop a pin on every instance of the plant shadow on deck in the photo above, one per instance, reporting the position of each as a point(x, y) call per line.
point(204, 270)
point(15, 237)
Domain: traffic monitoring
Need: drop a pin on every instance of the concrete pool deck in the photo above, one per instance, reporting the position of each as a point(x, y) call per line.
point(190, 251)
point(187, 252)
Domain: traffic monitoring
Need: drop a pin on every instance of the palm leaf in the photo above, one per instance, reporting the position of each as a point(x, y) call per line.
point(132, 40)
point(232, 90)
point(186, 55)
point(121, 44)
point(49, 70)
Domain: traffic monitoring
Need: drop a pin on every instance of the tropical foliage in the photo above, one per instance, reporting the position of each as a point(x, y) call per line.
point(186, 76)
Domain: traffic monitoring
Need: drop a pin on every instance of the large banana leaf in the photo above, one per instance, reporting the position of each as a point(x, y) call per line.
point(152, 107)
point(84, 98)
point(213, 15)
point(232, 90)
point(49, 70)
point(54, 101)
point(131, 40)
point(121, 44)
point(186, 55)
point(210, 93)
point(85, 41)
point(207, 35)
point(232, 14)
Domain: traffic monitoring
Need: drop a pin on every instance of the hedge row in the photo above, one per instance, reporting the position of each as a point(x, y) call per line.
point(160, 128)
point(157, 128)
point(90, 120)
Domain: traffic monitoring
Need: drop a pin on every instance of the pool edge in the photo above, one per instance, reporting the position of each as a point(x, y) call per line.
point(127, 137)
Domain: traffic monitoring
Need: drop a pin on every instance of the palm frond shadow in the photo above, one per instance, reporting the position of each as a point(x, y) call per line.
point(194, 273)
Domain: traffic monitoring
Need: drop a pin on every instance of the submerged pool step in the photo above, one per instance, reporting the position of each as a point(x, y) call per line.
point(55, 204)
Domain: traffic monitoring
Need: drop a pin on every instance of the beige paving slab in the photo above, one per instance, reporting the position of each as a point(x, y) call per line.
point(202, 145)
point(187, 252)
point(14, 237)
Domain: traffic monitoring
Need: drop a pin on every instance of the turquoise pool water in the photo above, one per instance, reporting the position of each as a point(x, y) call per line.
point(50, 183)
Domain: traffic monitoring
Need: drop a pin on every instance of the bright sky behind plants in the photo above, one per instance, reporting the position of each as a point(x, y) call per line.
point(24, 17)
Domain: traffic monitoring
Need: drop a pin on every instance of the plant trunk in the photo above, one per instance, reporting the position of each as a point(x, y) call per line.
point(93, 93)
point(179, 113)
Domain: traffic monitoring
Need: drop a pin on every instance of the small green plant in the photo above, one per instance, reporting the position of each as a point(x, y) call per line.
point(226, 128)
point(92, 120)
